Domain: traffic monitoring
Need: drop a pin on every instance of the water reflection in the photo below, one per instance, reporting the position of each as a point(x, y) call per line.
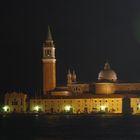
point(54, 127)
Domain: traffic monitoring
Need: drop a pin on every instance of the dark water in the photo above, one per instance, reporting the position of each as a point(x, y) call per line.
point(69, 127)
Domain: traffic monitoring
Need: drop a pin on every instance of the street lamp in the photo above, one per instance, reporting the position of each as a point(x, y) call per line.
point(6, 108)
point(67, 108)
point(103, 108)
point(36, 108)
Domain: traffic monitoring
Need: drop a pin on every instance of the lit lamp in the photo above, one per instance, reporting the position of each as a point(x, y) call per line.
point(36, 108)
point(103, 108)
point(67, 108)
point(6, 108)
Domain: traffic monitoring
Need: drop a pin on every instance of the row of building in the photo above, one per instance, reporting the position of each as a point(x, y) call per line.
point(81, 103)
point(106, 95)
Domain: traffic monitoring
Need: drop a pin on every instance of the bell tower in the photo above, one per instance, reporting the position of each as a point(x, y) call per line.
point(49, 64)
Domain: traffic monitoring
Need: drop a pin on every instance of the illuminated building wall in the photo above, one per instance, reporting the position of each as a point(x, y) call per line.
point(104, 88)
point(127, 87)
point(15, 102)
point(78, 88)
point(110, 88)
point(135, 105)
point(78, 105)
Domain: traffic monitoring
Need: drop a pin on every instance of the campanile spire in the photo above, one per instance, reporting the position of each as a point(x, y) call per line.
point(49, 36)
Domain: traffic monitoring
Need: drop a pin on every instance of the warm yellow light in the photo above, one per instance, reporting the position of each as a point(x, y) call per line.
point(36, 108)
point(103, 108)
point(139, 106)
point(5, 108)
point(67, 108)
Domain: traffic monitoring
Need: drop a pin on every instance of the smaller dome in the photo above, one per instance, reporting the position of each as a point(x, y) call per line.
point(107, 74)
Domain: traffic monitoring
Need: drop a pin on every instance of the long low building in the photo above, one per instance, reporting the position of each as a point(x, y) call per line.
point(83, 103)
point(112, 103)
point(78, 104)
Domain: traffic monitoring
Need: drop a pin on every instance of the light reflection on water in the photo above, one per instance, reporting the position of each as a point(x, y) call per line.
point(67, 127)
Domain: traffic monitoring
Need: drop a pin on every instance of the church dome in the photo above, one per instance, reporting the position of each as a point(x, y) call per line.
point(107, 74)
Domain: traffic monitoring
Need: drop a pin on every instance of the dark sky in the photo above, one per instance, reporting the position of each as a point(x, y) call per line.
point(86, 33)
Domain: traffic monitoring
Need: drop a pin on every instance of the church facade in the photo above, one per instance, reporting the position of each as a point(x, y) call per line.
point(107, 95)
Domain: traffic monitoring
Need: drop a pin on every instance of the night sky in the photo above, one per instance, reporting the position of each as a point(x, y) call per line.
point(85, 32)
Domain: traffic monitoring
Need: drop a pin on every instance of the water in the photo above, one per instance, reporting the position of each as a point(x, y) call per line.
point(53, 127)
